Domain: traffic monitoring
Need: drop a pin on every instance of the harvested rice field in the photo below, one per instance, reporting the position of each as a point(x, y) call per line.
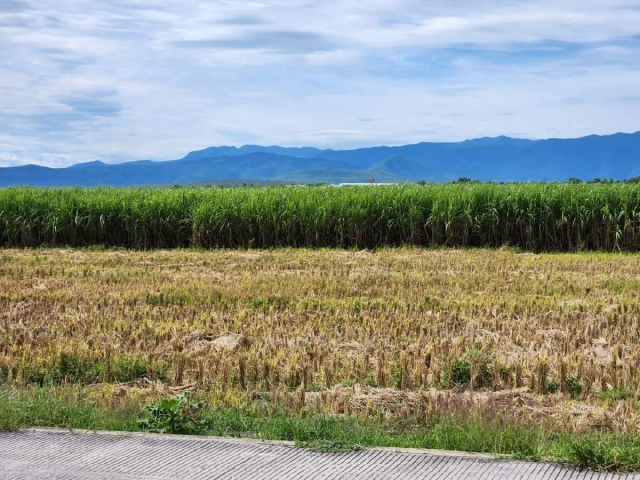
point(411, 334)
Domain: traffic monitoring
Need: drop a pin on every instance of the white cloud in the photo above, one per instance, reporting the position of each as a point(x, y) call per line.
point(182, 75)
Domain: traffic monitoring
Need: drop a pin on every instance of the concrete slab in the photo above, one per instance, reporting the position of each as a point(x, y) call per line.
point(61, 454)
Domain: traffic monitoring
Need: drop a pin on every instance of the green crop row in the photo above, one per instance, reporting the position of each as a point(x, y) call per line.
point(551, 217)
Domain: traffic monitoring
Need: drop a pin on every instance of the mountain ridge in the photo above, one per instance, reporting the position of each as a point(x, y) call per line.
point(502, 158)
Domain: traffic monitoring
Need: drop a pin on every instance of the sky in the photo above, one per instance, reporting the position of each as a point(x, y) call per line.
point(121, 80)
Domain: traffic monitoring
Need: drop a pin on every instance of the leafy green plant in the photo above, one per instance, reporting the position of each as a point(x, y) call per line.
point(175, 415)
point(480, 360)
point(475, 364)
point(348, 382)
point(553, 386)
point(574, 387)
point(371, 381)
point(397, 377)
point(460, 373)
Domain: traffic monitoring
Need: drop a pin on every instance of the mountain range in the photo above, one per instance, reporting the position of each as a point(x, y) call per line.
point(486, 159)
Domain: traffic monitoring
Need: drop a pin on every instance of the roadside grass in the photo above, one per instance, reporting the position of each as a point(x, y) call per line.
point(68, 407)
point(63, 408)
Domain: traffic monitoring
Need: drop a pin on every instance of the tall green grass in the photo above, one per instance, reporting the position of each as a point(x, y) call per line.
point(538, 217)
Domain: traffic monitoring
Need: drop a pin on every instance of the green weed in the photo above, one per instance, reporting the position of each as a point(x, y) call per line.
point(173, 415)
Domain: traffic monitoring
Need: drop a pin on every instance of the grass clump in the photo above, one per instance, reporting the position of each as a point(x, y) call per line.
point(616, 395)
point(63, 408)
point(329, 446)
point(605, 452)
point(75, 369)
point(472, 370)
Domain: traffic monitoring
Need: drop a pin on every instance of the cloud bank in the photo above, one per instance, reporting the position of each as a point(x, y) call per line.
point(131, 79)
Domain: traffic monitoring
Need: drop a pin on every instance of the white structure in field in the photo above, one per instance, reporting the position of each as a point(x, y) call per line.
point(364, 184)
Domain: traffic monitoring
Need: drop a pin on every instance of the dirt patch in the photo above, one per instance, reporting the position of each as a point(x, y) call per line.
point(143, 389)
point(250, 255)
point(586, 417)
point(231, 342)
point(198, 343)
point(352, 349)
point(482, 335)
point(551, 334)
point(118, 254)
point(599, 351)
point(575, 303)
point(441, 253)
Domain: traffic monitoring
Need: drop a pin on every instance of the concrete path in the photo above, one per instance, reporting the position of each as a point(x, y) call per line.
point(59, 454)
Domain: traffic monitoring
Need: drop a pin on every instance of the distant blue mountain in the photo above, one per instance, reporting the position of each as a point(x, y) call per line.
point(485, 159)
point(95, 163)
point(216, 152)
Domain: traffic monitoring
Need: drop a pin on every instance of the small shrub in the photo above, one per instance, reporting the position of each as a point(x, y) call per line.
point(397, 378)
point(506, 372)
point(477, 361)
point(348, 382)
point(175, 415)
point(371, 381)
point(574, 387)
point(553, 386)
point(460, 373)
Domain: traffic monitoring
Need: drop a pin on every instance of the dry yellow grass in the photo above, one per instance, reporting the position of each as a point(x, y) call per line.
point(355, 332)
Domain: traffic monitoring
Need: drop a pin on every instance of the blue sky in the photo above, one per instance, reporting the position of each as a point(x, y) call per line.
point(140, 79)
